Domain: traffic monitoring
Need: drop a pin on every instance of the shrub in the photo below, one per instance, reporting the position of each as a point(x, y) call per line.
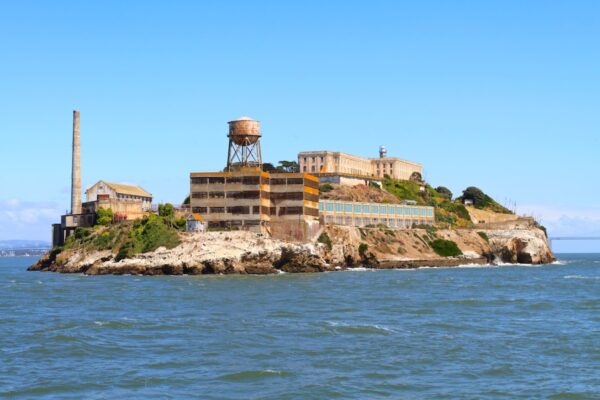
point(484, 236)
point(326, 187)
point(416, 177)
point(474, 194)
point(445, 248)
point(444, 192)
point(127, 250)
point(374, 185)
point(362, 249)
point(166, 210)
point(326, 240)
point(148, 234)
point(104, 216)
point(82, 233)
point(104, 241)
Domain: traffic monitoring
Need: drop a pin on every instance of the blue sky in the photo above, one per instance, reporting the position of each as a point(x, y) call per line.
point(501, 95)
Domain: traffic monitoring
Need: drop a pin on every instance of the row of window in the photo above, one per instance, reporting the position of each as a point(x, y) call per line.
point(255, 194)
point(248, 180)
point(360, 221)
point(375, 209)
point(248, 194)
point(243, 210)
point(128, 196)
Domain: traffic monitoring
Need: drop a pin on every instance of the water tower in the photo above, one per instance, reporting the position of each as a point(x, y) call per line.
point(244, 143)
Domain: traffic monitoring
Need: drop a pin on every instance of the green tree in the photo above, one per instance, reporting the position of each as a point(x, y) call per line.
point(166, 210)
point(416, 177)
point(268, 167)
point(444, 192)
point(104, 216)
point(474, 194)
point(288, 166)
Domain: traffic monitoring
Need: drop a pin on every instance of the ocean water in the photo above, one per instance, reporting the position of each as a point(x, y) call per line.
point(454, 333)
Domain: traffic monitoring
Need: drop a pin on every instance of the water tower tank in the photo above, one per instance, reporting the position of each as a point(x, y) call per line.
point(244, 131)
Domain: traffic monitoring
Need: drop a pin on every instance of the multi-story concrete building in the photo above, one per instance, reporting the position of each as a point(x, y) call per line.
point(348, 169)
point(399, 216)
point(284, 205)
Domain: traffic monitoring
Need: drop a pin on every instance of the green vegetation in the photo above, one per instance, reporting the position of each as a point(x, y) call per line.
point(284, 166)
point(484, 236)
point(404, 190)
point(445, 248)
point(128, 238)
point(166, 210)
point(446, 212)
point(104, 216)
point(444, 192)
point(326, 187)
point(482, 201)
point(416, 177)
point(374, 185)
point(362, 249)
point(148, 234)
point(325, 239)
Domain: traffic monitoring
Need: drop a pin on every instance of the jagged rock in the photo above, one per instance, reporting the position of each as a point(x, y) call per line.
point(249, 253)
point(294, 261)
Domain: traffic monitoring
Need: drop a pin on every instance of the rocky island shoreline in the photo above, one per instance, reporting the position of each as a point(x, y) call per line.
point(338, 248)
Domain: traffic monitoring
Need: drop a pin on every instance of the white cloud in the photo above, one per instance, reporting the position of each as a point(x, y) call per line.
point(27, 220)
point(566, 220)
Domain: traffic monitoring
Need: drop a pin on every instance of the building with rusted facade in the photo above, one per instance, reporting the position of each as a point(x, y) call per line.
point(284, 205)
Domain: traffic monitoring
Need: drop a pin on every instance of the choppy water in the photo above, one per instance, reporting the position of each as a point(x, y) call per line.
point(480, 333)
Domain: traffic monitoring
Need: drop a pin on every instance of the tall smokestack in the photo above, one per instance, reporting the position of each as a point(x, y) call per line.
point(76, 167)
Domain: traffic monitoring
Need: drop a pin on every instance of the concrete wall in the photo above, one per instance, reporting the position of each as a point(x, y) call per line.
point(252, 200)
point(321, 162)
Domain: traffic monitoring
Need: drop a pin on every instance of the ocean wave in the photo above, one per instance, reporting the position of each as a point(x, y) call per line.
point(251, 375)
point(341, 327)
point(359, 269)
point(593, 277)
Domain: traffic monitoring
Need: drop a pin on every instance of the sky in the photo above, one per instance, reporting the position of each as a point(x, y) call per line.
point(503, 95)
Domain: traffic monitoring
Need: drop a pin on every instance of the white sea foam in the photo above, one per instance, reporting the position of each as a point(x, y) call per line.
point(359, 269)
point(101, 323)
point(587, 277)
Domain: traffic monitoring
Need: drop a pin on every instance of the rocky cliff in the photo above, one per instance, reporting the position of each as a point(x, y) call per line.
point(344, 247)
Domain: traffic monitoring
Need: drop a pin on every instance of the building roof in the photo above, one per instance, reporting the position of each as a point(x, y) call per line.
point(197, 217)
point(127, 189)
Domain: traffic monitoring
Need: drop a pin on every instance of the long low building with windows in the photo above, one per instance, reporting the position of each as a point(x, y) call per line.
point(400, 216)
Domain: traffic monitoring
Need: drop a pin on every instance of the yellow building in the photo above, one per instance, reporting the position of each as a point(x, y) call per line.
point(126, 201)
point(349, 169)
